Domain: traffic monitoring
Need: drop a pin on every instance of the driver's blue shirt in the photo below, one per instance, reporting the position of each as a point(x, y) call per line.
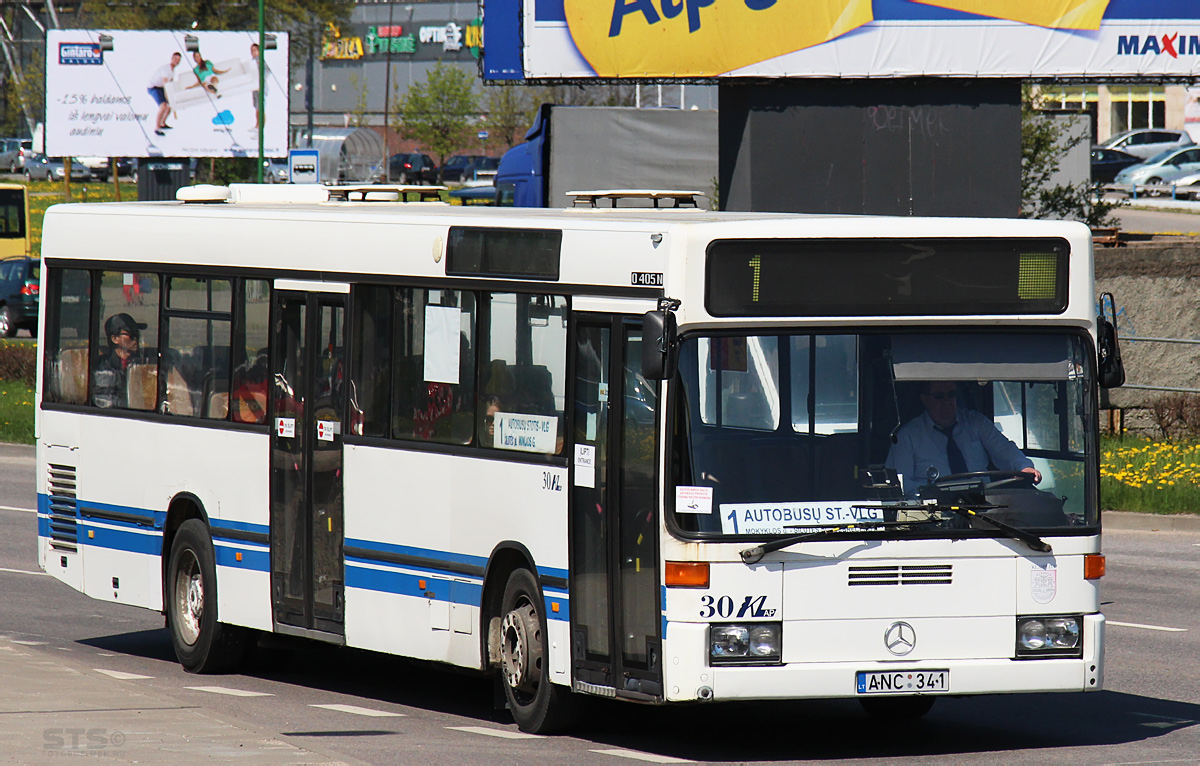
point(920, 445)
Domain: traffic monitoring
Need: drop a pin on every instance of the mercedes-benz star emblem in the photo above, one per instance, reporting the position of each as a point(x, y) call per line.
point(900, 638)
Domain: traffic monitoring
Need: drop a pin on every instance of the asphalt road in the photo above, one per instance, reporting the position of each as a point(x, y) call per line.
point(1184, 218)
point(388, 710)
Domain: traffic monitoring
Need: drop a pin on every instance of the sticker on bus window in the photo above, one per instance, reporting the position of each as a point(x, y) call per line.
point(527, 433)
point(286, 427)
point(790, 518)
point(585, 465)
point(442, 344)
point(693, 499)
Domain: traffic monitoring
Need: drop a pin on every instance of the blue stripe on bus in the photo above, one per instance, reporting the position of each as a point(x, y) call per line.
point(256, 559)
point(125, 540)
point(118, 535)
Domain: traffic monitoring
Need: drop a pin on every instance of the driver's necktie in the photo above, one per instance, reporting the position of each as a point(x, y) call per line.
point(953, 454)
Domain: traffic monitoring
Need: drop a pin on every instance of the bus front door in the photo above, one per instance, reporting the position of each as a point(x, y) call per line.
point(616, 610)
point(308, 410)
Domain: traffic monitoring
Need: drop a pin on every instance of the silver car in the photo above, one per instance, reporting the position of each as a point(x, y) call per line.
point(1166, 168)
point(39, 167)
point(1148, 142)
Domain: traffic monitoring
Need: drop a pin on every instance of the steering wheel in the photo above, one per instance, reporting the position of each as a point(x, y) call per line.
point(996, 479)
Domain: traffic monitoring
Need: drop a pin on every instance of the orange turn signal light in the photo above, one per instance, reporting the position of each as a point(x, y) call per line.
point(1093, 566)
point(687, 574)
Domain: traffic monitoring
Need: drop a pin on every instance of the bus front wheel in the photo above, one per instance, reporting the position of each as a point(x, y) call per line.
point(202, 644)
point(538, 706)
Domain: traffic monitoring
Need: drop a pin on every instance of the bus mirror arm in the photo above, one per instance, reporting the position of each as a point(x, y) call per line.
point(660, 341)
point(1109, 365)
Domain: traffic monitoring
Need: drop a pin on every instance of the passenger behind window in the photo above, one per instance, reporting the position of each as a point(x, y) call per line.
point(487, 433)
point(249, 395)
point(110, 379)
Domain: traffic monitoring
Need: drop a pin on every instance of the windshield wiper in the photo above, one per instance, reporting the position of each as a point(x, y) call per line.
point(755, 554)
point(968, 512)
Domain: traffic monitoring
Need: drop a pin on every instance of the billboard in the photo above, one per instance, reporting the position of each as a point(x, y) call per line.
point(691, 39)
point(123, 93)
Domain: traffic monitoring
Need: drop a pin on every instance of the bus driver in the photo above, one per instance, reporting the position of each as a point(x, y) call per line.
point(952, 442)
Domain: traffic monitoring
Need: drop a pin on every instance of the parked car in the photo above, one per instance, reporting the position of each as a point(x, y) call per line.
point(43, 168)
point(1148, 142)
point(1106, 163)
point(412, 167)
point(275, 170)
point(1188, 186)
point(10, 153)
point(26, 153)
point(467, 167)
point(1163, 169)
point(126, 166)
point(19, 281)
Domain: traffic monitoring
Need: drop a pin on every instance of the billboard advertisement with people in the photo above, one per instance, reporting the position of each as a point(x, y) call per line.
point(693, 39)
point(122, 93)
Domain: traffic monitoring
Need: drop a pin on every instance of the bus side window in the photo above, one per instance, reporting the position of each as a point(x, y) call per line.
point(433, 381)
point(251, 372)
point(196, 359)
point(127, 378)
point(68, 349)
point(371, 367)
point(526, 342)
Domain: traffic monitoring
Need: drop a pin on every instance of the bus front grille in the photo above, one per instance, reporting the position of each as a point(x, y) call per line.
point(64, 507)
point(907, 574)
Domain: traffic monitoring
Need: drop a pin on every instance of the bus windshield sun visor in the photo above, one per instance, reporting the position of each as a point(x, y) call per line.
point(981, 357)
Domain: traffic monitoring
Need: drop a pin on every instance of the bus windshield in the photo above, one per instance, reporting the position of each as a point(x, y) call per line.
point(782, 433)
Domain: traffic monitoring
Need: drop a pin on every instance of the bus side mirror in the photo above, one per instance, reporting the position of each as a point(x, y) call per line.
point(1111, 369)
point(1109, 366)
point(659, 344)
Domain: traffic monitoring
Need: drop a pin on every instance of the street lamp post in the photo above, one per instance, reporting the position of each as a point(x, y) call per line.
point(387, 91)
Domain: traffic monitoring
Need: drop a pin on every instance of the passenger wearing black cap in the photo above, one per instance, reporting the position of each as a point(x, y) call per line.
point(108, 383)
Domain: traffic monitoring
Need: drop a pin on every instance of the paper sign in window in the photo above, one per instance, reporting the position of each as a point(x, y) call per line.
point(585, 465)
point(693, 499)
point(441, 344)
point(526, 433)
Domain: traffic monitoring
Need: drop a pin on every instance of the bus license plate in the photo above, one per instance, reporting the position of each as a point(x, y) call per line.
point(903, 682)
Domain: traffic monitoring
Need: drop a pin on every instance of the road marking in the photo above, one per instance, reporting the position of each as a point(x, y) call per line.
point(356, 710)
point(20, 571)
point(230, 692)
point(121, 675)
point(501, 733)
point(1145, 627)
point(19, 510)
point(27, 643)
point(635, 755)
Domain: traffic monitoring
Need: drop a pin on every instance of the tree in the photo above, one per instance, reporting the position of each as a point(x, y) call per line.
point(1043, 143)
point(510, 112)
point(439, 113)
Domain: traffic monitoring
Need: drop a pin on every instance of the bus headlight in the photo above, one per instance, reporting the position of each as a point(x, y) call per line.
point(1049, 636)
point(759, 643)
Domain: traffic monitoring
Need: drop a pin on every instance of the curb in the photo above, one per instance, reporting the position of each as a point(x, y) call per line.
point(1150, 522)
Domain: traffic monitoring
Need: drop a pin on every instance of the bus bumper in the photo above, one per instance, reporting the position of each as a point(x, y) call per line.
point(815, 680)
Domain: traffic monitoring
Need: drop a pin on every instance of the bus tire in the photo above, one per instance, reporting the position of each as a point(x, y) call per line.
point(538, 706)
point(202, 645)
point(898, 708)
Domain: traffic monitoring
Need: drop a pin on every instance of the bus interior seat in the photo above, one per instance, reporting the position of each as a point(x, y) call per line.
point(179, 394)
point(142, 385)
point(72, 375)
point(218, 405)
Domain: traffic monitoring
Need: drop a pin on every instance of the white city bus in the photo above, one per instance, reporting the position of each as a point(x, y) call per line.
point(439, 432)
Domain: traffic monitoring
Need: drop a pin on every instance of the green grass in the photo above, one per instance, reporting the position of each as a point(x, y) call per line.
point(1150, 476)
point(16, 412)
point(43, 194)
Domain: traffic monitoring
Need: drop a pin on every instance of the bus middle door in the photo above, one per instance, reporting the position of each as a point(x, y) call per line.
point(616, 609)
point(308, 410)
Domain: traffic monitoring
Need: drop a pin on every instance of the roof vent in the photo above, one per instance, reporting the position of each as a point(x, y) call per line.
point(271, 194)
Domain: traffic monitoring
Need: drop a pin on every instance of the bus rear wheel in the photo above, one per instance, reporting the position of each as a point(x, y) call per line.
point(898, 708)
point(538, 706)
point(202, 645)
